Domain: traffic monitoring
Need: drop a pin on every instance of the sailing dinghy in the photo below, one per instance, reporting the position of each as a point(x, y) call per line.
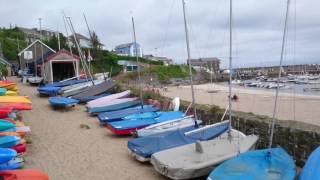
point(311, 169)
point(112, 116)
point(107, 99)
point(167, 126)
point(114, 105)
point(134, 122)
point(62, 102)
point(95, 90)
point(199, 158)
point(142, 148)
point(264, 164)
point(80, 88)
point(35, 80)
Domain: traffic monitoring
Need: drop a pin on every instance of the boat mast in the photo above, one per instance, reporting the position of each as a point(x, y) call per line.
point(91, 37)
point(230, 69)
point(84, 64)
point(43, 68)
point(189, 62)
point(279, 75)
point(137, 60)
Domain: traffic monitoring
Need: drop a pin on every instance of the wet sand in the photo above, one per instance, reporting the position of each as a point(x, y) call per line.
point(303, 108)
point(64, 150)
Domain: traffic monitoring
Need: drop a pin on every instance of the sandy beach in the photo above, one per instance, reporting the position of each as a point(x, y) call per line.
point(303, 108)
point(64, 150)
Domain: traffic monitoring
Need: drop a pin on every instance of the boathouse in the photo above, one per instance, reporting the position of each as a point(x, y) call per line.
point(35, 52)
point(61, 65)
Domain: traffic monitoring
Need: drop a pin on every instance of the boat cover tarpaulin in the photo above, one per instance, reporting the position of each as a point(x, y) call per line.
point(311, 169)
point(49, 90)
point(117, 115)
point(85, 99)
point(146, 146)
point(116, 104)
point(139, 123)
point(67, 83)
point(96, 89)
point(102, 101)
point(264, 164)
point(62, 101)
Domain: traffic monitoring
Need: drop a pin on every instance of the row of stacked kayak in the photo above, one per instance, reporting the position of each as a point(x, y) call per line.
point(181, 147)
point(13, 133)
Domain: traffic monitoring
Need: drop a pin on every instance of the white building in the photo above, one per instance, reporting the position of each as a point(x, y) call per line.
point(129, 49)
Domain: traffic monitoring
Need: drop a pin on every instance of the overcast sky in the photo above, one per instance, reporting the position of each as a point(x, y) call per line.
point(258, 26)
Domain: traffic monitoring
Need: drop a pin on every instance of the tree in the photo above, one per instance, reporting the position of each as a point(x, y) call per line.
point(96, 47)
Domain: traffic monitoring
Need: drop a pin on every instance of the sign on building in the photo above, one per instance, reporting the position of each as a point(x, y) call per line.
point(28, 55)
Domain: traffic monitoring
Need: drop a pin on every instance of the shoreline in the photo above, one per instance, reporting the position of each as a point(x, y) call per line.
point(302, 108)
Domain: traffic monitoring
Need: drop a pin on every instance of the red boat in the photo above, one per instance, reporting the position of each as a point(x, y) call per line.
point(122, 132)
point(17, 106)
point(5, 111)
point(20, 148)
point(25, 174)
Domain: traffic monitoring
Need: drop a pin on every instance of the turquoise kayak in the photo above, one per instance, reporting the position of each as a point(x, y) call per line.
point(264, 164)
point(5, 125)
point(9, 141)
point(3, 91)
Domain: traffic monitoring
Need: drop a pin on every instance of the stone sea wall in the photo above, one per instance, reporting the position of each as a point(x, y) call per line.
point(299, 139)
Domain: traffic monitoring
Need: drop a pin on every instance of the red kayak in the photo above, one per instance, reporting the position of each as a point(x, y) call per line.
point(20, 148)
point(5, 111)
point(17, 106)
point(122, 132)
point(24, 174)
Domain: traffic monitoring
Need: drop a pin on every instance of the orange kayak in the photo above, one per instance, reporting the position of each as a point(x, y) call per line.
point(18, 134)
point(9, 86)
point(23, 174)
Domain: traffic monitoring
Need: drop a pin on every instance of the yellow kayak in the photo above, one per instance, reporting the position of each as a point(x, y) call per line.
point(14, 99)
point(11, 93)
point(20, 124)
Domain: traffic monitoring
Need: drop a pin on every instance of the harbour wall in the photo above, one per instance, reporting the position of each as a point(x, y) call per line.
point(297, 138)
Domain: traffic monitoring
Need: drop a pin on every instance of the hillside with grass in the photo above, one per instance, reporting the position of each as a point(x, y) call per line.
point(12, 41)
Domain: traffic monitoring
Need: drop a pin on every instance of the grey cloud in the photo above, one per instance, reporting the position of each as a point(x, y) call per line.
point(257, 26)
